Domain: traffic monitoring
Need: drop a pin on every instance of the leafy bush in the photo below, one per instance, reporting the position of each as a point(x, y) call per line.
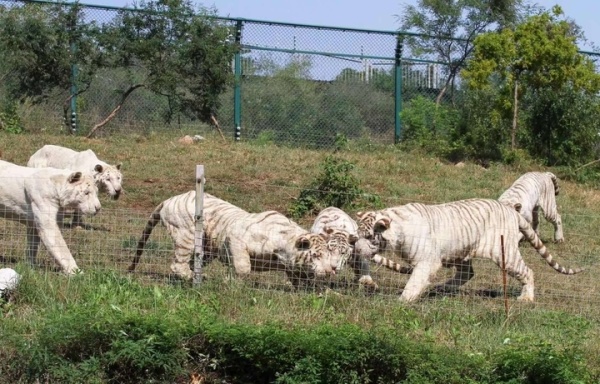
point(528, 361)
point(334, 186)
point(9, 119)
point(563, 126)
point(428, 125)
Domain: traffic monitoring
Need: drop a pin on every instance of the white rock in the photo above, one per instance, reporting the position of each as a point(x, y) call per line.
point(9, 279)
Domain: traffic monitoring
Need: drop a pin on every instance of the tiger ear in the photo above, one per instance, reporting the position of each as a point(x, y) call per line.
point(381, 225)
point(352, 239)
point(303, 242)
point(518, 207)
point(359, 214)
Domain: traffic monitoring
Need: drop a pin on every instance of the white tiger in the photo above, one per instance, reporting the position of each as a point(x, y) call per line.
point(250, 241)
point(108, 178)
point(352, 250)
point(529, 193)
point(431, 236)
point(36, 196)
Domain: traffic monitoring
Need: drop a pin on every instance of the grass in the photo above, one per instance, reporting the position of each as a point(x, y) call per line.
point(263, 177)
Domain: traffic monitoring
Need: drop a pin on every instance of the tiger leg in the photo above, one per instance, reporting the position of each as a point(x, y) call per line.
point(517, 269)
point(77, 221)
point(181, 262)
point(360, 267)
point(240, 258)
point(464, 273)
point(557, 222)
point(419, 280)
point(535, 219)
point(184, 248)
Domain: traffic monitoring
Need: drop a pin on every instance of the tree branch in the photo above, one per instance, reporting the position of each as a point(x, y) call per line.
point(114, 112)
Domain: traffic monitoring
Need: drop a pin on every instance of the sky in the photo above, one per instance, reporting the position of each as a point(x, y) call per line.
point(361, 14)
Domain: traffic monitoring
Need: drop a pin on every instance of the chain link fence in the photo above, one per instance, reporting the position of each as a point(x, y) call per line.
point(109, 241)
point(297, 84)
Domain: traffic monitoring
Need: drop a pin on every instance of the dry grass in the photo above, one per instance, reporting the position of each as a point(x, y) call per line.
point(257, 178)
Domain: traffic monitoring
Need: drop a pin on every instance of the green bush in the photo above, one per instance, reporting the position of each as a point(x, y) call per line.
point(9, 119)
point(563, 126)
point(334, 186)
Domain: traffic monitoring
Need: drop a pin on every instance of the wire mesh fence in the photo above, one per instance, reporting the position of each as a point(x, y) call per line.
point(268, 252)
point(298, 84)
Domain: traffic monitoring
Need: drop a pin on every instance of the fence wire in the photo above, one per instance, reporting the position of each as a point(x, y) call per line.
point(301, 85)
point(109, 242)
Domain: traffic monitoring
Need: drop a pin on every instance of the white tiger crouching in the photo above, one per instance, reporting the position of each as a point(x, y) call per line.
point(431, 236)
point(354, 250)
point(350, 249)
point(529, 193)
point(250, 241)
point(36, 196)
point(108, 177)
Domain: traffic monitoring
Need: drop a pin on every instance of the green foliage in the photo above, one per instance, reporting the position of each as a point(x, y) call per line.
point(455, 24)
point(40, 42)
point(190, 72)
point(563, 126)
point(539, 53)
point(528, 361)
point(334, 186)
point(481, 129)
point(428, 126)
point(9, 119)
point(297, 110)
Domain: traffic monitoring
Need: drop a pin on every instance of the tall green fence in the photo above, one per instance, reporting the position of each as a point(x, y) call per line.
point(298, 84)
point(292, 83)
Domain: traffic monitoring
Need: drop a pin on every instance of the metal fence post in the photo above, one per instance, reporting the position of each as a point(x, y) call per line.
point(237, 91)
point(199, 228)
point(73, 47)
point(398, 89)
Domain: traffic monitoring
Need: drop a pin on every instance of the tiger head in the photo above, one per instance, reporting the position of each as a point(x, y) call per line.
point(512, 204)
point(340, 245)
point(313, 255)
point(371, 226)
point(108, 178)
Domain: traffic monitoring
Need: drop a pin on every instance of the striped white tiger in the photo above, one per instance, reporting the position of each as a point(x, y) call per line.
point(529, 193)
point(431, 236)
point(352, 250)
point(249, 241)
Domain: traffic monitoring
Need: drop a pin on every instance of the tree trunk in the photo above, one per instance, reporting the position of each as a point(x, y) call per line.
point(513, 134)
point(114, 112)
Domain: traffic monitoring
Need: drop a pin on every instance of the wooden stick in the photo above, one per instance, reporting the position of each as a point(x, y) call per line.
point(216, 124)
point(504, 276)
point(585, 165)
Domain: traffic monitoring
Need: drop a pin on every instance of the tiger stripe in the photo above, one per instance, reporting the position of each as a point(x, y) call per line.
point(450, 235)
point(530, 193)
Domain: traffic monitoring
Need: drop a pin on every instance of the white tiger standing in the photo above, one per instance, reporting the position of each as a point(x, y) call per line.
point(36, 196)
point(449, 235)
point(250, 241)
point(108, 177)
point(529, 193)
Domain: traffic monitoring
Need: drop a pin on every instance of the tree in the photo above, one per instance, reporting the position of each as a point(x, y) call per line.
point(451, 26)
point(537, 54)
point(39, 43)
point(173, 50)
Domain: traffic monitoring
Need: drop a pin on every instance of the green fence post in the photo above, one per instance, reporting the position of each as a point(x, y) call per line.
point(74, 69)
point(73, 93)
point(237, 90)
point(398, 89)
